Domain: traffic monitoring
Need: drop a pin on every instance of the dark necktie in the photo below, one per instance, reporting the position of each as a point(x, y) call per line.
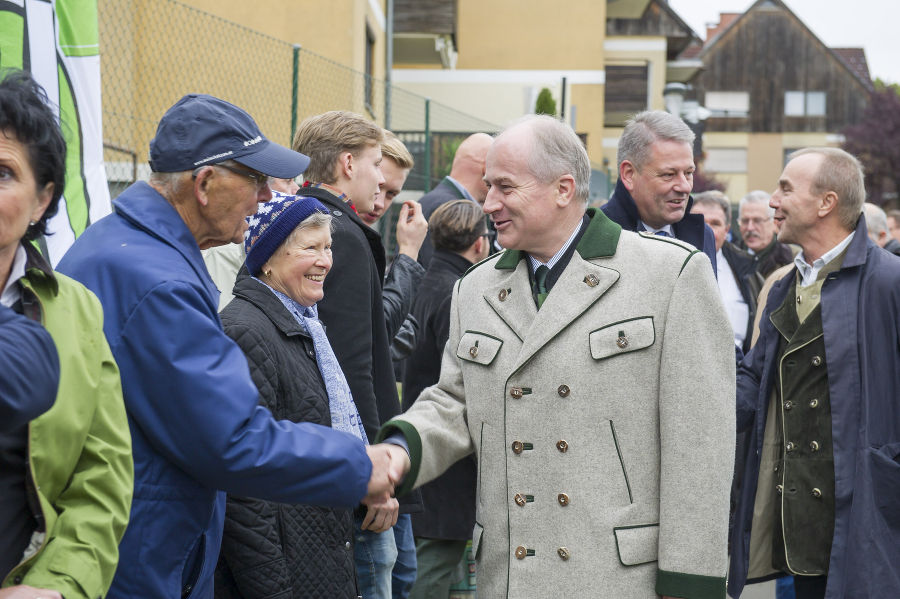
point(540, 284)
point(662, 234)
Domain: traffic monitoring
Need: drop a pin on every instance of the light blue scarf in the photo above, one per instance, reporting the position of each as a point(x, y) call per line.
point(344, 415)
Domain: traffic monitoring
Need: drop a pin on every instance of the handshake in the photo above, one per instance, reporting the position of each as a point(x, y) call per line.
point(390, 463)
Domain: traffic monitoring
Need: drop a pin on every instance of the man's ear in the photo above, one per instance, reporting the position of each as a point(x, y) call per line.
point(828, 203)
point(565, 189)
point(201, 185)
point(627, 171)
point(346, 165)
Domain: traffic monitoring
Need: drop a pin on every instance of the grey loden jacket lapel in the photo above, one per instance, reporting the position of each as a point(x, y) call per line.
point(581, 284)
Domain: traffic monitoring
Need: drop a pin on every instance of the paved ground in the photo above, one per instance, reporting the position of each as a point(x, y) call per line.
point(763, 590)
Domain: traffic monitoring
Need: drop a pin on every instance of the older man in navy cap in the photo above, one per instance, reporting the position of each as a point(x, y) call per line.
point(192, 407)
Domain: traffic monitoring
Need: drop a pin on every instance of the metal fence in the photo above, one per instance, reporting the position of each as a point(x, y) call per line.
point(155, 51)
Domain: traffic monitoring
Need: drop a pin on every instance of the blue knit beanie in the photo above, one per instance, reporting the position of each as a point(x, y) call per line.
point(272, 223)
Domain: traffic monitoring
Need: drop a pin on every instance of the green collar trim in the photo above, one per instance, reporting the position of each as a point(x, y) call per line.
point(599, 241)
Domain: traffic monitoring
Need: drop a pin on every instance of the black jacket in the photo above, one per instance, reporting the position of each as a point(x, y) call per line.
point(449, 499)
point(749, 283)
point(772, 257)
point(353, 313)
point(444, 192)
point(274, 549)
point(622, 210)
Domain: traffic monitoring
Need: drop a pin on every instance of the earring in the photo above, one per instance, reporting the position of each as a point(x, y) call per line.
point(32, 223)
point(268, 273)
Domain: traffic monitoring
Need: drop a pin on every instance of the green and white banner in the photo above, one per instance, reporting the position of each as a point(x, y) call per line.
point(57, 41)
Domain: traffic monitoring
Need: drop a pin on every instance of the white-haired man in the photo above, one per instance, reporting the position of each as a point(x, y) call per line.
point(589, 369)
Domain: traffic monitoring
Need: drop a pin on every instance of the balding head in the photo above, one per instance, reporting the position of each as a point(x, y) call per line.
point(468, 164)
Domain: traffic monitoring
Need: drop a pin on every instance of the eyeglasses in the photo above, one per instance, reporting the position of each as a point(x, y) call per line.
point(258, 179)
point(756, 221)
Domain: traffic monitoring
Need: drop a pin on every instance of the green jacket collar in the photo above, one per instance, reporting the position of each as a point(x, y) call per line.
point(599, 241)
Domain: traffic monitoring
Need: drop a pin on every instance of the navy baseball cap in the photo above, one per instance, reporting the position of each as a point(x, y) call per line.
point(201, 129)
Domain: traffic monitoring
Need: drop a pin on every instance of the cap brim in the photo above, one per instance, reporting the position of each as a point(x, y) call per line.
point(276, 161)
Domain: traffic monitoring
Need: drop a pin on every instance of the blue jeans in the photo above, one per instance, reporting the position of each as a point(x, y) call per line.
point(784, 588)
point(404, 573)
point(375, 554)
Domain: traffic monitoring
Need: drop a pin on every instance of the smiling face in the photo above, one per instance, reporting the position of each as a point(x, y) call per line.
point(298, 267)
point(20, 199)
point(796, 207)
point(523, 209)
point(661, 187)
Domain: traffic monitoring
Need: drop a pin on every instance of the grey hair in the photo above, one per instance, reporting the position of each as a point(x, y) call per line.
point(876, 219)
point(757, 196)
point(313, 221)
point(715, 198)
point(645, 128)
point(841, 173)
point(557, 151)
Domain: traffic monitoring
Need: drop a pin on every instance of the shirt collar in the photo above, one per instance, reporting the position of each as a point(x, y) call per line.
point(534, 262)
point(809, 272)
point(12, 292)
point(644, 226)
point(460, 187)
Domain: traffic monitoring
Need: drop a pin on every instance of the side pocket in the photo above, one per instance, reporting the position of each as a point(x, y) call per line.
point(476, 538)
point(612, 428)
point(637, 544)
point(193, 563)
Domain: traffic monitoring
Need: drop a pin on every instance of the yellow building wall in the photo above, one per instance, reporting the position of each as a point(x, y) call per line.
point(765, 161)
point(531, 34)
point(153, 53)
point(335, 29)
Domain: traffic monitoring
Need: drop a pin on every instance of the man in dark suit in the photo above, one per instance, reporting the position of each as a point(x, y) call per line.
point(739, 283)
point(656, 175)
point(465, 181)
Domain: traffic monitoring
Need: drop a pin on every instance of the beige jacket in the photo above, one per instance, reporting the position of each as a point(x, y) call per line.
point(603, 424)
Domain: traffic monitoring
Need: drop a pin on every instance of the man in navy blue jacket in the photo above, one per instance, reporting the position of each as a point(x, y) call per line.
point(196, 426)
point(30, 370)
point(656, 176)
point(818, 393)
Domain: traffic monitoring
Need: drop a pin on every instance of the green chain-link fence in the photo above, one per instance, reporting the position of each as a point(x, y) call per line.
point(155, 51)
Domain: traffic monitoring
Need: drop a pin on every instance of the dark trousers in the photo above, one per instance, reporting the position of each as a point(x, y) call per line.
point(810, 587)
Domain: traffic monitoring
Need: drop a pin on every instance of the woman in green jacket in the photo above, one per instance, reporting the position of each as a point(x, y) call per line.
point(66, 477)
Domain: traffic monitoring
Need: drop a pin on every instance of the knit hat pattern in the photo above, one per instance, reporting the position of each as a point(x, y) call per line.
point(273, 223)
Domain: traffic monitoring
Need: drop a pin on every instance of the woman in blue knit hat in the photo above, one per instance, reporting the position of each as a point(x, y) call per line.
point(271, 549)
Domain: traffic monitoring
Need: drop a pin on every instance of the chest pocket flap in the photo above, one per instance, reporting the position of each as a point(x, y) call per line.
point(478, 347)
point(622, 337)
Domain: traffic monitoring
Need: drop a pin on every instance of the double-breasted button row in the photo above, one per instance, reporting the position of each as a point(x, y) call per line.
point(521, 499)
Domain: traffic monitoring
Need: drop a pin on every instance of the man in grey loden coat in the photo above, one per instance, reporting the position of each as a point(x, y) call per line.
point(603, 420)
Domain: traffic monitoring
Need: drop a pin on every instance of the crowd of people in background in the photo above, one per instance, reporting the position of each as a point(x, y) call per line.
point(228, 388)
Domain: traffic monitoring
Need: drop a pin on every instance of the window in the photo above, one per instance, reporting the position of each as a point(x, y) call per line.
point(725, 160)
point(370, 68)
point(728, 104)
point(797, 103)
point(625, 93)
